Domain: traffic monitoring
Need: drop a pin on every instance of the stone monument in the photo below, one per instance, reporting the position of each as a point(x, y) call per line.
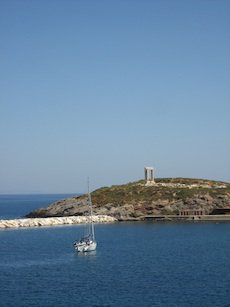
point(149, 175)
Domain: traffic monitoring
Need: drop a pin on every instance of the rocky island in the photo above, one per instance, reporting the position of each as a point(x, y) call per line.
point(137, 200)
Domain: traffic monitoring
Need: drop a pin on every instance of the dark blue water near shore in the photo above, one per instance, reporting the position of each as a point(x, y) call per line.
point(136, 264)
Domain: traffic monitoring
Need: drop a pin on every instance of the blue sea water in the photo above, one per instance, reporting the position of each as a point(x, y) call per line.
point(136, 264)
point(16, 206)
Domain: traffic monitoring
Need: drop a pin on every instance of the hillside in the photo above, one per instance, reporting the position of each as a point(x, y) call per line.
point(136, 199)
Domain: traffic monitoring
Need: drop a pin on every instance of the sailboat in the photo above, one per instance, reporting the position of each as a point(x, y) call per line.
point(87, 243)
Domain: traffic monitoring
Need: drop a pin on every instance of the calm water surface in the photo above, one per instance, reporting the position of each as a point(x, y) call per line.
point(136, 264)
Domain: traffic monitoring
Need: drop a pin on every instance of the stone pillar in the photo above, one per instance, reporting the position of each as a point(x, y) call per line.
point(149, 175)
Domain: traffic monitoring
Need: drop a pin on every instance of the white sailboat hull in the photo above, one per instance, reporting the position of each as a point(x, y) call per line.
point(83, 247)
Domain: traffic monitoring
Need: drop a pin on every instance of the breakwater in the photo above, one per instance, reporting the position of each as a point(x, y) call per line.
point(54, 221)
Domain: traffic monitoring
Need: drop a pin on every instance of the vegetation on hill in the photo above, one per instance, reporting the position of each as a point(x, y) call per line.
point(173, 190)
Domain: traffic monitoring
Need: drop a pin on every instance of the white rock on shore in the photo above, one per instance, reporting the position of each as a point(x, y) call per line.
point(54, 221)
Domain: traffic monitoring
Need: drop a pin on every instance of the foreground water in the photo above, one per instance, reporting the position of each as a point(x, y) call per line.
point(136, 264)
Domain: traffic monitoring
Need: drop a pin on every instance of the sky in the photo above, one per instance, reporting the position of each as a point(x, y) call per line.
point(103, 88)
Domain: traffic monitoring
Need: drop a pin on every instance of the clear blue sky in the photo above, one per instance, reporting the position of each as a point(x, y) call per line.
point(103, 88)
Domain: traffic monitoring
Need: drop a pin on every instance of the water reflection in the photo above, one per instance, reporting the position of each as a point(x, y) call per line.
point(86, 254)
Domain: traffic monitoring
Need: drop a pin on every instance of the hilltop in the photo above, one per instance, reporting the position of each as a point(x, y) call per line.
point(136, 199)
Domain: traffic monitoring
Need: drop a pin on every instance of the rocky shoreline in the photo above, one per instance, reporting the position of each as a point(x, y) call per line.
point(136, 200)
point(54, 221)
point(105, 219)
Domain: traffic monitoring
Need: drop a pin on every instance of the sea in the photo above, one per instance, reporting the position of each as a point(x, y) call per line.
point(135, 264)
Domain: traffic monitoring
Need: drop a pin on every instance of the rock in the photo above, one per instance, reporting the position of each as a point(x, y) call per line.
point(54, 221)
point(135, 200)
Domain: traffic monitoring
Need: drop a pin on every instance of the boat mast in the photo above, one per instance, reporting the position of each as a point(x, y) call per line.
point(91, 213)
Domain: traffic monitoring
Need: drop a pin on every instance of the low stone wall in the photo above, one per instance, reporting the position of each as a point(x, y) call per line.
point(54, 221)
point(220, 217)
